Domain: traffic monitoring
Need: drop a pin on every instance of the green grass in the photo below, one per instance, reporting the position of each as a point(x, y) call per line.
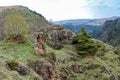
point(20, 52)
point(25, 52)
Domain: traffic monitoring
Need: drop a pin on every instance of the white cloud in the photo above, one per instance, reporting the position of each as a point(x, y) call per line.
point(54, 9)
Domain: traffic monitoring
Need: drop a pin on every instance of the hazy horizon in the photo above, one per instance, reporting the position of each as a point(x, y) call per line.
point(57, 10)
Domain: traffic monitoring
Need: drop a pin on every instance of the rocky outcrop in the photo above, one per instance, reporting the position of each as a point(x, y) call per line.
point(44, 69)
point(22, 70)
point(54, 37)
point(39, 43)
point(57, 35)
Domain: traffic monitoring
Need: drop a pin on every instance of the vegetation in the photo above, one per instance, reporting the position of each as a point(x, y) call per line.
point(12, 63)
point(15, 28)
point(117, 51)
point(76, 28)
point(69, 64)
point(110, 32)
point(33, 20)
point(15, 25)
point(75, 25)
point(85, 44)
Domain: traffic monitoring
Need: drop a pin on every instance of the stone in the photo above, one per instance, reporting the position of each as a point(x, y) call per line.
point(57, 36)
point(22, 70)
point(112, 77)
point(39, 47)
point(118, 77)
point(45, 69)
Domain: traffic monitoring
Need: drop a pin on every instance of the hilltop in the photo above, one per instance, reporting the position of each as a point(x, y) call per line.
point(34, 21)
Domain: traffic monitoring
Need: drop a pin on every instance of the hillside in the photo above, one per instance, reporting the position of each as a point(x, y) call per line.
point(50, 53)
point(110, 32)
point(34, 20)
point(91, 25)
point(69, 66)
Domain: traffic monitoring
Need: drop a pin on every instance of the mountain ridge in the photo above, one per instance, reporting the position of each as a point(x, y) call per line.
point(91, 25)
point(86, 21)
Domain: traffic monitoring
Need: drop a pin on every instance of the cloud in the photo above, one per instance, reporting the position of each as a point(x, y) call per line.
point(69, 9)
point(103, 8)
point(54, 9)
point(108, 3)
point(63, 9)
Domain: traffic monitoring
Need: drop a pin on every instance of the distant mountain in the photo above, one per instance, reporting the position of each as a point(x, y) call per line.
point(99, 22)
point(110, 32)
point(74, 21)
point(91, 25)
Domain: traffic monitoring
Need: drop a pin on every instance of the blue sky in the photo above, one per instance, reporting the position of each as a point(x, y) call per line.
point(70, 9)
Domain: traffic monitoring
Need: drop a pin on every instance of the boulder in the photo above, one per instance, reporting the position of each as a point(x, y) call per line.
point(112, 77)
point(22, 70)
point(39, 47)
point(57, 36)
point(45, 69)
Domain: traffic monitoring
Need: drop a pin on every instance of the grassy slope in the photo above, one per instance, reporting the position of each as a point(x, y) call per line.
point(20, 52)
point(25, 52)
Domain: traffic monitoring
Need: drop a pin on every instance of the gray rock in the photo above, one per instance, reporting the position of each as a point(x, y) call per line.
point(112, 77)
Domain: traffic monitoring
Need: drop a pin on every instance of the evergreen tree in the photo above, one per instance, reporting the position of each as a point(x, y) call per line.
point(85, 45)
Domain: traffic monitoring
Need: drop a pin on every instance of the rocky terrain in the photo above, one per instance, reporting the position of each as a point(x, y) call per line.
point(49, 54)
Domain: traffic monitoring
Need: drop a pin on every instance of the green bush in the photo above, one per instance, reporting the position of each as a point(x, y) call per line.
point(15, 27)
point(117, 50)
point(12, 64)
point(85, 44)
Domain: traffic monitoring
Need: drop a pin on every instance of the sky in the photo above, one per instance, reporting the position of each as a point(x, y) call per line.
point(70, 9)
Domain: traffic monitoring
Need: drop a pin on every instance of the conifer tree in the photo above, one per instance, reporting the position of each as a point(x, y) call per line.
point(85, 45)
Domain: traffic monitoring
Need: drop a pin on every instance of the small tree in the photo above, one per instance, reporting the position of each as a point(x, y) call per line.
point(15, 26)
point(84, 43)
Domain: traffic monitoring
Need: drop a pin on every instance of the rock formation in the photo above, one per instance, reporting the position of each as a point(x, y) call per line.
point(39, 43)
point(44, 69)
point(57, 35)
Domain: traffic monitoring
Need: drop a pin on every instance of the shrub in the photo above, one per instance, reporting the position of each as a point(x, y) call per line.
point(51, 57)
point(117, 50)
point(15, 26)
point(12, 64)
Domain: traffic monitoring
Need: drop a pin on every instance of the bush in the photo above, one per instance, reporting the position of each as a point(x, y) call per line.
point(12, 64)
point(117, 50)
point(15, 27)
